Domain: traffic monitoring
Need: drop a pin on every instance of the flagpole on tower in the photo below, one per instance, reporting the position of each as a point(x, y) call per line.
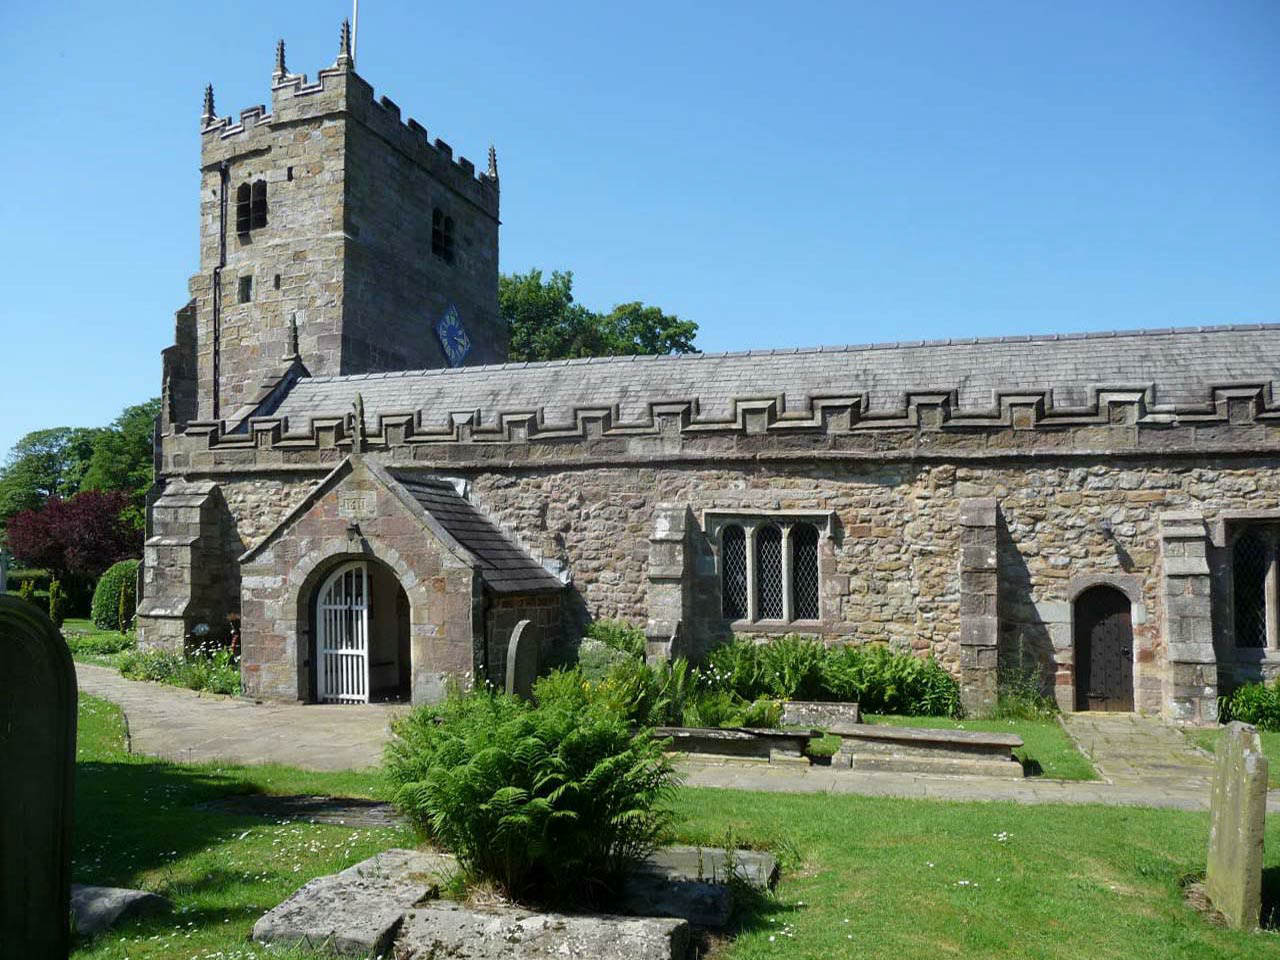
point(355, 28)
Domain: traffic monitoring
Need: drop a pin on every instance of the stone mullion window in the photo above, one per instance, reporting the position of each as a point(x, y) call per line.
point(769, 569)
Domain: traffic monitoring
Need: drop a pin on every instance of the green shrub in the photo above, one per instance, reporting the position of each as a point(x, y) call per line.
point(116, 588)
point(1256, 703)
point(555, 801)
point(596, 658)
point(39, 579)
point(57, 603)
point(208, 668)
point(795, 668)
point(100, 643)
point(618, 634)
point(27, 590)
point(886, 682)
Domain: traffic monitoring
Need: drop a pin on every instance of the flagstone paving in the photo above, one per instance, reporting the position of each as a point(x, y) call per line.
point(177, 724)
point(1143, 762)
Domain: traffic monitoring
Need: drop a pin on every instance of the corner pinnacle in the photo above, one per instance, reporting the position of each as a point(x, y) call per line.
point(208, 116)
point(344, 45)
point(281, 71)
point(493, 163)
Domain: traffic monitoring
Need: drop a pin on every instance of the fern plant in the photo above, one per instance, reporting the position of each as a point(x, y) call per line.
point(551, 803)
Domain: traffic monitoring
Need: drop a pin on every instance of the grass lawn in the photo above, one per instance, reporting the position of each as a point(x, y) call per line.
point(864, 877)
point(91, 644)
point(138, 825)
point(1208, 740)
point(1047, 750)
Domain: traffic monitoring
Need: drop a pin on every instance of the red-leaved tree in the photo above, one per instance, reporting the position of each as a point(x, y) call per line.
point(79, 537)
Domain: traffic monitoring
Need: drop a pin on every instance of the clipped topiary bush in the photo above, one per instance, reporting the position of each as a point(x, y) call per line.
point(57, 603)
point(554, 802)
point(116, 590)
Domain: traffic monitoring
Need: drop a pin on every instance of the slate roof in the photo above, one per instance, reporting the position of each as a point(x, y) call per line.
point(504, 566)
point(1180, 366)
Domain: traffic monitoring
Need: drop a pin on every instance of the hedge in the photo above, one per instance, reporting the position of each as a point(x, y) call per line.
point(117, 587)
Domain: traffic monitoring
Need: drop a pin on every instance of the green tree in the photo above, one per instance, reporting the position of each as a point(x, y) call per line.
point(123, 458)
point(43, 464)
point(546, 323)
point(631, 328)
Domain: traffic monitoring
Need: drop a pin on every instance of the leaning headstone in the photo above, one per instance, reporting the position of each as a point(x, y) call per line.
point(1233, 881)
point(38, 744)
point(522, 661)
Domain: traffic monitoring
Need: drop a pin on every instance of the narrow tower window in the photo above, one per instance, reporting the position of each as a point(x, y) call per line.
point(244, 216)
point(259, 204)
point(442, 235)
point(246, 289)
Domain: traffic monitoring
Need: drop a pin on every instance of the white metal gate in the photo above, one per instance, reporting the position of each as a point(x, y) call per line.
point(342, 635)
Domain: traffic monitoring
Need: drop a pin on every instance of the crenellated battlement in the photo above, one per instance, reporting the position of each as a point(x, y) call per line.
point(339, 91)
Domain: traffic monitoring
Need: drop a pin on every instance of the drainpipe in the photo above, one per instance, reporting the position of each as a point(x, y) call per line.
point(224, 175)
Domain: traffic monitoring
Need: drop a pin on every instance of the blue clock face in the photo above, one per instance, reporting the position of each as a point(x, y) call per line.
point(453, 336)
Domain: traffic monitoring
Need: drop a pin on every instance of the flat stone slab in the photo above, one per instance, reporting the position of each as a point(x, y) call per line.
point(692, 883)
point(357, 912)
point(974, 738)
point(819, 713)
point(391, 901)
point(754, 867)
point(446, 929)
point(760, 744)
point(100, 908)
point(340, 811)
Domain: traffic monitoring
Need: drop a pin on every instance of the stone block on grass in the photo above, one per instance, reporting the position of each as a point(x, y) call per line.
point(1237, 813)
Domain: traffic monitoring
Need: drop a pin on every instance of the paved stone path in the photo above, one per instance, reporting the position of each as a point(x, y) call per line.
point(1132, 750)
point(1145, 763)
point(182, 725)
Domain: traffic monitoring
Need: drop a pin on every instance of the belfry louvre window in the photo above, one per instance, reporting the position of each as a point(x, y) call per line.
point(1255, 566)
point(769, 570)
point(244, 208)
point(259, 211)
point(442, 235)
point(251, 206)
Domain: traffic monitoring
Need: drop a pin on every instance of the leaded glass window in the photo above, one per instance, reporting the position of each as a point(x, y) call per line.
point(1250, 558)
point(734, 572)
point(769, 573)
point(804, 571)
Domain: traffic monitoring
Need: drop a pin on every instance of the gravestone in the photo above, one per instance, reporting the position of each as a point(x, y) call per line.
point(522, 660)
point(38, 746)
point(1233, 881)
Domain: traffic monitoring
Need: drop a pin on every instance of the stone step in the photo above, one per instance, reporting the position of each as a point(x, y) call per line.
point(939, 766)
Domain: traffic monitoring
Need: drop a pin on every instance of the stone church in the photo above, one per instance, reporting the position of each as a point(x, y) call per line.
point(350, 474)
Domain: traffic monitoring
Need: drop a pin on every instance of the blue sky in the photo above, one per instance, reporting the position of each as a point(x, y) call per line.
point(784, 174)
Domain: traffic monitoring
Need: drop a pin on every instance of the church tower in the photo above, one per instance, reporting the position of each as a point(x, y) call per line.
point(334, 239)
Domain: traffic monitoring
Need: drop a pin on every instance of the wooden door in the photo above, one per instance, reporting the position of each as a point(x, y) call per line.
point(1104, 650)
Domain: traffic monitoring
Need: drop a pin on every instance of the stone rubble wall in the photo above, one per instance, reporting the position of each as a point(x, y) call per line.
point(892, 571)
